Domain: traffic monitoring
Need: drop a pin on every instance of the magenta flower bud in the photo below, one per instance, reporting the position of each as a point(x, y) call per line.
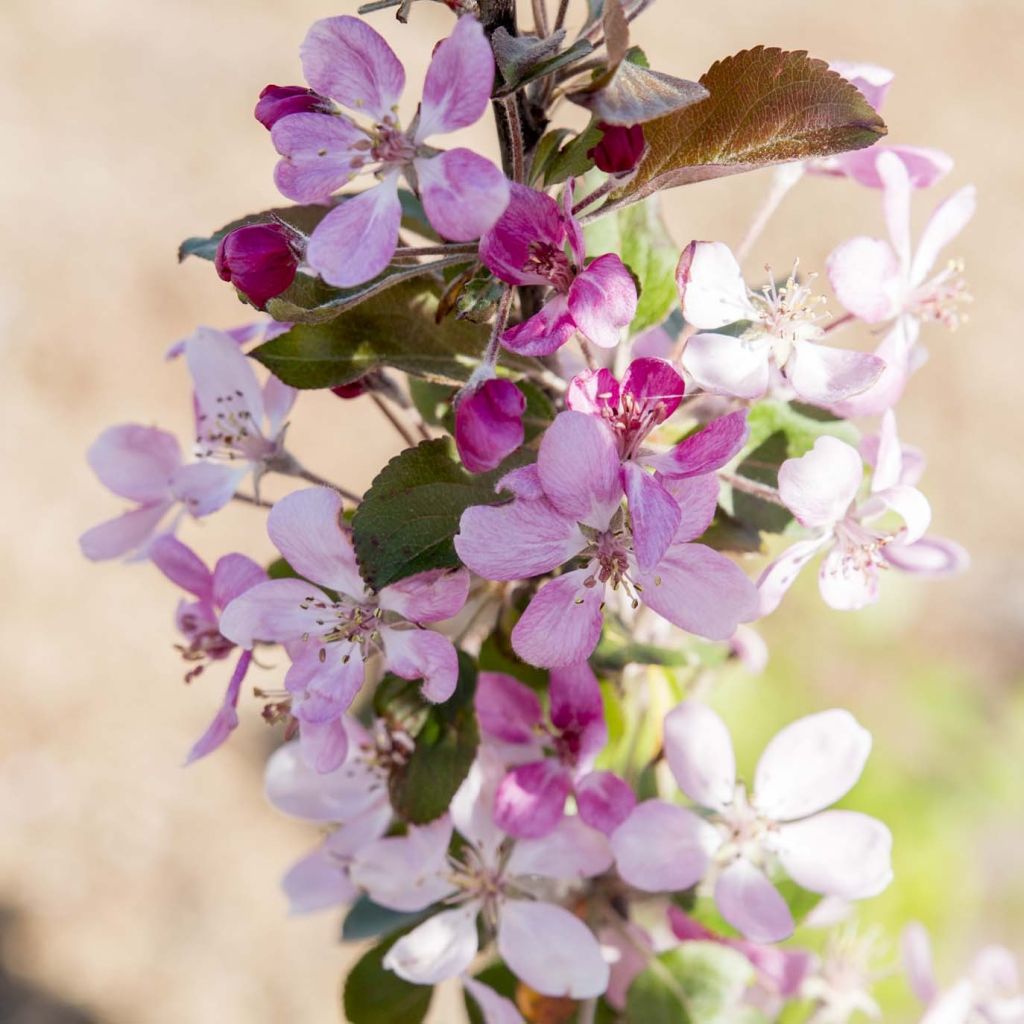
point(259, 260)
point(620, 148)
point(351, 390)
point(489, 424)
point(277, 101)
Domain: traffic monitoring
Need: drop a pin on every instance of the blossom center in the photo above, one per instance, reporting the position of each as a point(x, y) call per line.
point(346, 622)
point(610, 560)
point(230, 433)
point(551, 263)
point(742, 828)
point(861, 548)
point(941, 299)
point(787, 314)
point(391, 146)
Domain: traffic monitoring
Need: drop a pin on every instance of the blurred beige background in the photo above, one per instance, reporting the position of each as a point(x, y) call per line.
point(144, 894)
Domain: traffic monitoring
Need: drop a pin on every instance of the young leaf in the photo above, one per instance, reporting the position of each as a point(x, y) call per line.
point(524, 59)
point(368, 920)
point(374, 995)
point(572, 160)
point(766, 106)
point(409, 516)
point(302, 218)
point(633, 94)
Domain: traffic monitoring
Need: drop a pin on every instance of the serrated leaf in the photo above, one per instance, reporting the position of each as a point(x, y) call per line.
point(634, 94)
point(374, 995)
point(408, 518)
point(766, 106)
point(368, 920)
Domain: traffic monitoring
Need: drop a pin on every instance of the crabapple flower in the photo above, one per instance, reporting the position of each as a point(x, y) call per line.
point(144, 465)
point(488, 423)
point(648, 395)
point(494, 1009)
point(840, 984)
point(886, 282)
point(820, 489)
point(620, 148)
point(779, 350)
point(527, 246)
point(277, 101)
point(806, 767)
point(568, 505)
point(198, 621)
point(555, 758)
point(542, 943)
point(463, 194)
point(329, 638)
point(260, 260)
point(260, 330)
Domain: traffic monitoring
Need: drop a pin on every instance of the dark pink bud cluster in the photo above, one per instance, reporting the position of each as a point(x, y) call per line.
point(260, 260)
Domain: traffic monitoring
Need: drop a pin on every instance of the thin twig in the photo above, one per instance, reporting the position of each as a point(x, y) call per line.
point(752, 487)
point(600, 192)
point(447, 249)
point(402, 429)
point(540, 18)
point(587, 1012)
point(500, 323)
point(783, 179)
point(839, 322)
point(563, 10)
point(509, 105)
point(247, 500)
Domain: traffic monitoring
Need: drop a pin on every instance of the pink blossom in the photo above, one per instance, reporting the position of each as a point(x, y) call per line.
point(885, 282)
point(329, 639)
point(649, 394)
point(527, 246)
point(542, 943)
point(806, 767)
point(779, 351)
point(463, 194)
point(568, 505)
point(488, 423)
point(494, 1009)
point(820, 489)
point(199, 623)
point(554, 758)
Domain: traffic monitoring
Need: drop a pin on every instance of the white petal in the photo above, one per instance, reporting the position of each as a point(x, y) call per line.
point(440, 948)
point(700, 754)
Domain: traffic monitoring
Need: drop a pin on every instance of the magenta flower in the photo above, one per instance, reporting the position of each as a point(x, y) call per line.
point(810, 764)
point(463, 194)
point(780, 350)
point(820, 489)
point(649, 394)
point(542, 943)
point(260, 260)
point(329, 639)
point(527, 246)
point(199, 623)
point(568, 505)
point(488, 423)
point(554, 758)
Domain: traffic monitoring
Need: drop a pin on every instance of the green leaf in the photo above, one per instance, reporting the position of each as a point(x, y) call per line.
point(496, 655)
point(726, 533)
point(408, 518)
point(433, 401)
point(546, 151)
point(766, 106)
point(571, 161)
point(396, 328)
point(374, 995)
point(444, 747)
point(368, 920)
point(762, 466)
point(798, 422)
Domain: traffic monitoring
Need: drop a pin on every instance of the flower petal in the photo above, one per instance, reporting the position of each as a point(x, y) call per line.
point(317, 882)
point(373, 217)
point(705, 451)
point(724, 365)
point(575, 697)
point(318, 155)
point(228, 395)
point(948, 220)
point(206, 487)
point(697, 498)
point(604, 800)
point(571, 852)
point(135, 462)
point(545, 332)
point(324, 744)
point(654, 386)
point(489, 424)
point(506, 708)
point(347, 60)
point(123, 535)
point(917, 961)
point(602, 300)
point(463, 193)
point(277, 610)
point(422, 654)
point(780, 574)
point(457, 89)
point(593, 391)
point(751, 904)
point(653, 512)
point(531, 799)
point(810, 764)
point(866, 277)
point(711, 286)
point(819, 487)
point(896, 195)
point(699, 752)
point(440, 948)
point(911, 506)
point(233, 575)
point(551, 950)
point(427, 596)
point(930, 556)
point(530, 217)
point(494, 1009)
point(824, 375)
point(925, 166)
point(845, 583)
point(562, 624)
point(895, 350)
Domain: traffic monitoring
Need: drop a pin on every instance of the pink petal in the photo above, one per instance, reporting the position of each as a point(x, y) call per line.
point(135, 462)
point(489, 424)
point(845, 584)
point(825, 375)
point(711, 286)
point(819, 487)
point(305, 527)
point(810, 764)
point(602, 300)
point(206, 487)
point(724, 365)
point(604, 800)
point(545, 332)
point(523, 483)
point(839, 853)
point(925, 166)
point(472, 806)
point(329, 677)
point(751, 904)
point(894, 350)
point(896, 195)
point(562, 624)
point(705, 451)
point(885, 454)
point(422, 654)
point(530, 217)
point(123, 535)
point(578, 464)
point(225, 384)
point(917, 961)
point(697, 498)
point(233, 575)
point(278, 399)
point(347, 60)
point(653, 512)
point(866, 276)
point(457, 89)
point(506, 708)
point(318, 155)
point(571, 852)
point(780, 575)
point(551, 950)
point(577, 243)
point(699, 590)
point(324, 745)
point(662, 847)
point(442, 947)
point(317, 882)
point(930, 556)
point(463, 194)
point(224, 722)
point(518, 540)
point(654, 386)
point(428, 596)
point(954, 1006)
point(872, 80)
point(494, 1009)
point(373, 217)
point(594, 391)
point(699, 752)
point(948, 220)
point(575, 697)
point(994, 971)
point(911, 506)
point(272, 611)
point(531, 799)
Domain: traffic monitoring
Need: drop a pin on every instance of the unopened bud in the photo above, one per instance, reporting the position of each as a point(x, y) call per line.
point(620, 148)
point(259, 260)
point(489, 424)
point(351, 390)
point(277, 101)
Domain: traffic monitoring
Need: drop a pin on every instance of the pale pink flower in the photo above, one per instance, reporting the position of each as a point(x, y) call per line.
point(843, 977)
point(553, 758)
point(528, 246)
point(779, 351)
point(494, 1009)
point(329, 639)
point(463, 194)
point(568, 505)
point(810, 764)
point(821, 490)
point(510, 889)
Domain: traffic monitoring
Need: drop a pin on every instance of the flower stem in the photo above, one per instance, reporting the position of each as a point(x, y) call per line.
point(389, 414)
point(844, 319)
point(784, 178)
point(758, 490)
point(248, 500)
point(540, 18)
point(500, 323)
point(563, 10)
point(448, 249)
